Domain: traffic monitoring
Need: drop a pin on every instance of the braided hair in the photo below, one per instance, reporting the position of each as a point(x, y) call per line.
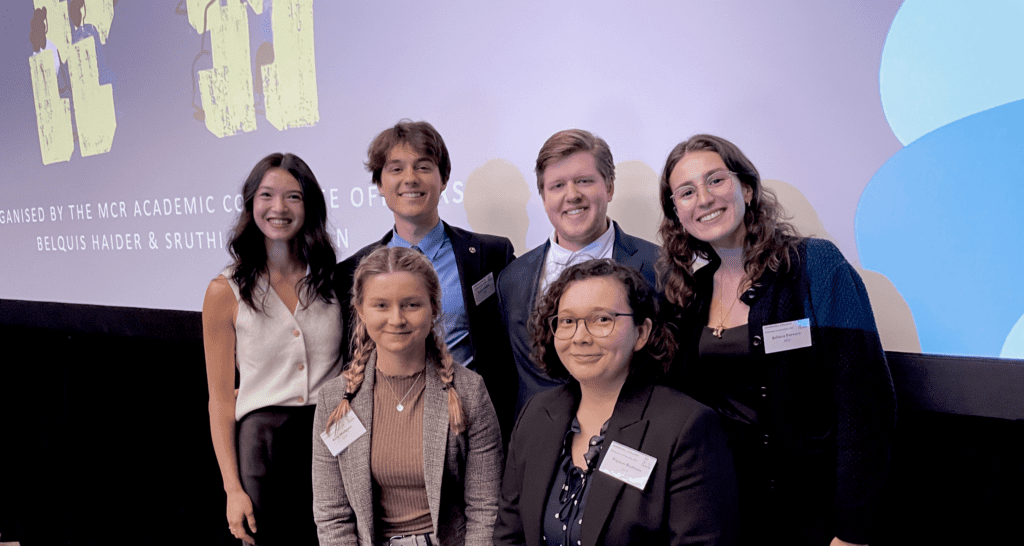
point(391, 260)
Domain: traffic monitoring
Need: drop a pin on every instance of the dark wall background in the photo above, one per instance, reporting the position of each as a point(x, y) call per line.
point(104, 435)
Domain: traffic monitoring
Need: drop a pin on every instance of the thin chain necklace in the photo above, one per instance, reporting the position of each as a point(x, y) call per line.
point(717, 331)
point(400, 405)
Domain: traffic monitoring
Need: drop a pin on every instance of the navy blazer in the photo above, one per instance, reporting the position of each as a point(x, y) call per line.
point(690, 497)
point(476, 255)
point(517, 297)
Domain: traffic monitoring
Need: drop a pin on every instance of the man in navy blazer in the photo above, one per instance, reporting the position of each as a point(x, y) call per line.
point(576, 180)
point(411, 166)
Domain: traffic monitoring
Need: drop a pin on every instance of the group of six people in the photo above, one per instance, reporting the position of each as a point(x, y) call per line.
point(728, 387)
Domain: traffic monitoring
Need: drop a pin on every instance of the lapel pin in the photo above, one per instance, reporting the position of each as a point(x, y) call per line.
point(472, 250)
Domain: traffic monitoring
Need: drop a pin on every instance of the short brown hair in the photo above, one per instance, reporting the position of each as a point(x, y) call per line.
point(420, 136)
point(570, 141)
point(652, 360)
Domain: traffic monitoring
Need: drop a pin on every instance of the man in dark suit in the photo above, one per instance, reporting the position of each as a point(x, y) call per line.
point(576, 180)
point(411, 166)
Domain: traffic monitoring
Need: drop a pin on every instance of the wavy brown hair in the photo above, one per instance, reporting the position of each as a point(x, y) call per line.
point(390, 260)
point(769, 239)
point(652, 359)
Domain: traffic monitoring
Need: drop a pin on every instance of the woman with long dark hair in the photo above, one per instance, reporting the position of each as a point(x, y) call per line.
point(274, 318)
point(778, 336)
point(427, 466)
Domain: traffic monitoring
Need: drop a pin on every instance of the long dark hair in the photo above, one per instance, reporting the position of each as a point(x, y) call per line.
point(312, 244)
point(769, 239)
point(652, 360)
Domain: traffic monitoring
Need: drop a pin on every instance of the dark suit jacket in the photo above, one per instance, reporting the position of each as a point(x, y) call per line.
point(517, 296)
point(690, 497)
point(476, 255)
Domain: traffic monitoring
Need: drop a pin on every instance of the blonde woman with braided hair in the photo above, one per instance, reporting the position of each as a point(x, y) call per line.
point(427, 468)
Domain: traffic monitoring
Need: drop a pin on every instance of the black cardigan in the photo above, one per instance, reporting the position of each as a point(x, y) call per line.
point(829, 410)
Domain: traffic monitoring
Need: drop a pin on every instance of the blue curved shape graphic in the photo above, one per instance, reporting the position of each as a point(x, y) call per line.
point(943, 219)
point(1014, 346)
point(944, 60)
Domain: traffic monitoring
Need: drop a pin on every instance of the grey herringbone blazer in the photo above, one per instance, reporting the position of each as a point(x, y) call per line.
point(462, 471)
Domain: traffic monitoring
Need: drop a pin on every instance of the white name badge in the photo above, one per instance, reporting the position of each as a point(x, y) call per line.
point(627, 465)
point(343, 433)
point(483, 289)
point(786, 336)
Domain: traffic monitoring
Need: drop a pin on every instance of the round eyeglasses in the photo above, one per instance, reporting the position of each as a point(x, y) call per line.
point(718, 183)
point(599, 324)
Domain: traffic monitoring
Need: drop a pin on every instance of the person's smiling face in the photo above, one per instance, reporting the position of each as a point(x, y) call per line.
point(278, 207)
point(711, 216)
point(397, 314)
point(576, 199)
point(599, 361)
point(411, 185)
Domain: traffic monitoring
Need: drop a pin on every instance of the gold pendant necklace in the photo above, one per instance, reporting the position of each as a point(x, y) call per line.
point(717, 331)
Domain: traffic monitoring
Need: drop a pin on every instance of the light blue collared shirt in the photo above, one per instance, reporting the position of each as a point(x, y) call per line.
point(437, 247)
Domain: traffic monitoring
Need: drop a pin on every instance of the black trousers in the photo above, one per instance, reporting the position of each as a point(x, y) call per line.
point(275, 455)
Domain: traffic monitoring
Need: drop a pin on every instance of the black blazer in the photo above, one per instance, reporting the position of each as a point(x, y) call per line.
point(517, 296)
point(690, 497)
point(476, 255)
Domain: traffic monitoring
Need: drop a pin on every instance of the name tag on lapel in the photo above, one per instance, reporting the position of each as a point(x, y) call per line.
point(483, 289)
point(627, 465)
point(343, 433)
point(786, 336)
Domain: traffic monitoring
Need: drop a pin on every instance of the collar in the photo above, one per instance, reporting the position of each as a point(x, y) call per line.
point(600, 247)
point(430, 244)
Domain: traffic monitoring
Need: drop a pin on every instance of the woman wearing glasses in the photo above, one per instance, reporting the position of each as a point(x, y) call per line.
point(778, 336)
point(609, 458)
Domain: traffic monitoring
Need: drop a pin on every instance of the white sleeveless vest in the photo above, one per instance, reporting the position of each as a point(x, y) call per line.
point(283, 359)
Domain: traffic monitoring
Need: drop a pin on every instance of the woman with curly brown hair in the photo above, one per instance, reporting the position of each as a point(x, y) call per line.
point(427, 467)
point(610, 457)
point(778, 336)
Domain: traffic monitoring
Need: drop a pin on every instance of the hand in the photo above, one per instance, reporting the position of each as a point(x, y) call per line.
point(839, 542)
point(239, 509)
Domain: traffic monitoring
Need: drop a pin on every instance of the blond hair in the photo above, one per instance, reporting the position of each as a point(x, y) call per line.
point(391, 260)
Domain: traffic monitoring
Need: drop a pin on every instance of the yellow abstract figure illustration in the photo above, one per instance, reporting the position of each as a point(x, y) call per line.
point(226, 89)
point(94, 103)
point(58, 27)
point(66, 27)
point(101, 15)
point(288, 79)
point(53, 114)
point(289, 83)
